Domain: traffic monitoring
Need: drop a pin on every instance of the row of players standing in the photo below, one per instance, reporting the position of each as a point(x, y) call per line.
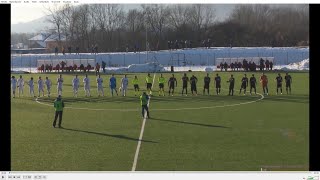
point(172, 83)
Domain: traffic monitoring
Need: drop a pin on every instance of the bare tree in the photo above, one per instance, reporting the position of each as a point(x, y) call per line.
point(55, 17)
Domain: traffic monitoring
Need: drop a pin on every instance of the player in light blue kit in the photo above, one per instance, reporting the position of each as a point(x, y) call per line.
point(113, 84)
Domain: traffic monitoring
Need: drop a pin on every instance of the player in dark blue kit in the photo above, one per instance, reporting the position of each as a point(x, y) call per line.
point(288, 82)
point(253, 83)
point(279, 83)
point(231, 86)
point(206, 83)
point(193, 82)
point(244, 84)
point(185, 81)
point(172, 81)
point(217, 82)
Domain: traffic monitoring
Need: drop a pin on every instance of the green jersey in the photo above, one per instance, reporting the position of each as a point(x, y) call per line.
point(149, 79)
point(135, 81)
point(161, 80)
point(58, 105)
point(144, 100)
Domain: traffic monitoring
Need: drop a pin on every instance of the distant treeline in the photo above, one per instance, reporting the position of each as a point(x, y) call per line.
point(112, 29)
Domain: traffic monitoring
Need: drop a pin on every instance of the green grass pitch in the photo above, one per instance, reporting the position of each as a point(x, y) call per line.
point(186, 133)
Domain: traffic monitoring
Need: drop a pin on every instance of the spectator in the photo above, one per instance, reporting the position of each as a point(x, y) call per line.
point(77, 50)
point(271, 65)
point(63, 50)
point(225, 66)
point(208, 43)
point(97, 69)
point(47, 68)
point(245, 64)
point(69, 49)
point(96, 49)
point(56, 50)
point(232, 66)
point(261, 64)
point(221, 66)
point(57, 67)
point(92, 49)
point(88, 67)
point(103, 66)
point(240, 65)
point(75, 67)
point(254, 66)
point(50, 68)
point(176, 44)
point(82, 68)
point(250, 66)
point(267, 65)
point(42, 68)
point(62, 65)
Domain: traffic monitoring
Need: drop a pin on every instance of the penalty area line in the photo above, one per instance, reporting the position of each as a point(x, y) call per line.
point(136, 156)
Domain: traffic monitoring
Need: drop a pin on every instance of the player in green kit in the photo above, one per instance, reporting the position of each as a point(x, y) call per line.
point(149, 80)
point(135, 83)
point(161, 81)
point(144, 98)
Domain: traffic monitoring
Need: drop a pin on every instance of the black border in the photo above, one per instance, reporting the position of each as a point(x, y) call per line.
point(314, 125)
point(5, 120)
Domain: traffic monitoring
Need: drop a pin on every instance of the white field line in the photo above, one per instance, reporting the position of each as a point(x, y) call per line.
point(136, 156)
point(172, 109)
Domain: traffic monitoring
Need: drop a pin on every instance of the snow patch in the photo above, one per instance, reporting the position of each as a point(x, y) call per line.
point(208, 69)
point(302, 65)
point(140, 68)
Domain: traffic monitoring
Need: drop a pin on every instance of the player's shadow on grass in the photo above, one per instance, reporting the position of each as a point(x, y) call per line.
point(191, 123)
point(107, 135)
point(288, 98)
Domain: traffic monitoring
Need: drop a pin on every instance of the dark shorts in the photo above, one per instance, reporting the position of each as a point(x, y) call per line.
point(193, 88)
point(231, 86)
point(136, 86)
point(184, 86)
point(206, 86)
point(288, 84)
point(243, 86)
point(279, 85)
point(171, 86)
point(218, 85)
point(149, 85)
point(161, 85)
point(252, 86)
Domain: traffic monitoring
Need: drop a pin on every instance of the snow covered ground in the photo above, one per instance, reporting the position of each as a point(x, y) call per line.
point(156, 67)
point(302, 65)
point(196, 59)
point(195, 56)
